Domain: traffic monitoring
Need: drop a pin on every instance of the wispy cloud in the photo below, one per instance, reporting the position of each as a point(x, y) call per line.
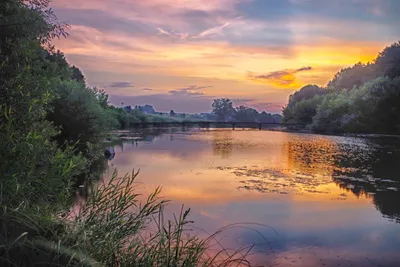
point(212, 31)
point(121, 85)
point(193, 90)
point(304, 69)
point(147, 89)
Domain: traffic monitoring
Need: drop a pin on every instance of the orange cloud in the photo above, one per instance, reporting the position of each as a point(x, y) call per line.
point(282, 78)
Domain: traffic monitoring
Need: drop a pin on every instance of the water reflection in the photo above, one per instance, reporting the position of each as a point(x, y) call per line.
point(324, 195)
point(222, 143)
point(311, 155)
point(373, 173)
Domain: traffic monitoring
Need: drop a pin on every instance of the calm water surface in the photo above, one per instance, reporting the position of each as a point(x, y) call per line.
point(333, 201)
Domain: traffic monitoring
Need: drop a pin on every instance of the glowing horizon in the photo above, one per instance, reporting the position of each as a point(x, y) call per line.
point(182, 54)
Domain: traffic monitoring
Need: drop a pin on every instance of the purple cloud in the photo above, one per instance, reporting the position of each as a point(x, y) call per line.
point(193, 90)
point(121, 85)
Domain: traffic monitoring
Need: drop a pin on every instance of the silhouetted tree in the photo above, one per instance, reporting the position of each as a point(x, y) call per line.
point(303, 104)
point(356, 75)
point(306, 92)
point(246, 114)
point(223, 109)
point(77, 75)
point(388, 61)
point(265, 117)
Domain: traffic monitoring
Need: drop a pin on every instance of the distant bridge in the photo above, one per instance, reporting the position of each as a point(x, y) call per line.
point(209, 124)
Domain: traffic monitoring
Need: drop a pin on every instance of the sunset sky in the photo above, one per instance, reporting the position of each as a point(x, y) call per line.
point(181, 54)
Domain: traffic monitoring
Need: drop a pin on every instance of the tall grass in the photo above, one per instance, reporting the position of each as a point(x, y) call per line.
point(113, 228)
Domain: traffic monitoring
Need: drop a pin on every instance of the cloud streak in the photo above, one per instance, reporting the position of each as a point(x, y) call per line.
point(281, 78)
point(121, 85)
point(192, 90)
point(213, 31)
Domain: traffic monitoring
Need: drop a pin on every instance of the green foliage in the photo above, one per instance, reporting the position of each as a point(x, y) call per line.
point(58, 65)
point(34, 164)
point(302, 105)
point(364, 98)
point(37, 176)
point(371, 108)
point(305, 93)
point(302, 112)
point(78, 113)
point(331, 113)
point(378, 106)
point(101, 96)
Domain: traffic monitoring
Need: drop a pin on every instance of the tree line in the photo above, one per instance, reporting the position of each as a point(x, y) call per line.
point(363, 98)
point(223, 110)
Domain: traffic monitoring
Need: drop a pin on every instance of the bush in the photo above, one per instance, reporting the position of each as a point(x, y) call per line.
point(302, 112)
point(78, 114)
point(331, 114)
point(378, 106)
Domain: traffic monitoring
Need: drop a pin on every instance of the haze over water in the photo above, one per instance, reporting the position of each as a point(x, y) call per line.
point(333, 201)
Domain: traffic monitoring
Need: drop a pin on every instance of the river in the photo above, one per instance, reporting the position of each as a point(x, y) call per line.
point(312, 200)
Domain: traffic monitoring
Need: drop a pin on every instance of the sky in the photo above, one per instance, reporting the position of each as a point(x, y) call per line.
point(182, 54)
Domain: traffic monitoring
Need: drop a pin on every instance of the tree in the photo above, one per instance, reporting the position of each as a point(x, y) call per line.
point(172, 113)
point(79, 114)
point(101, 96)
point(302, 112)
point(77, 75)
point(246, 114)
point(356, 75)
point(388, 61)
point(306, 92)
point(36, 175)
point(223, 109)
point(303, 104)
point(265, 117)
point(377, 106)
point(332, 114)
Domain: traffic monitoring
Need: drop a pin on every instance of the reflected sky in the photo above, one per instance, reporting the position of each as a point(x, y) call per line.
point(333, 201)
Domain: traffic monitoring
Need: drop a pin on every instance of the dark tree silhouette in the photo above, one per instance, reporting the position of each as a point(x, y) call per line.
point(388, 61)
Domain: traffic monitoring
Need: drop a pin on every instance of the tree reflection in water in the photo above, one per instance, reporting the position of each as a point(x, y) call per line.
point(367, 168)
